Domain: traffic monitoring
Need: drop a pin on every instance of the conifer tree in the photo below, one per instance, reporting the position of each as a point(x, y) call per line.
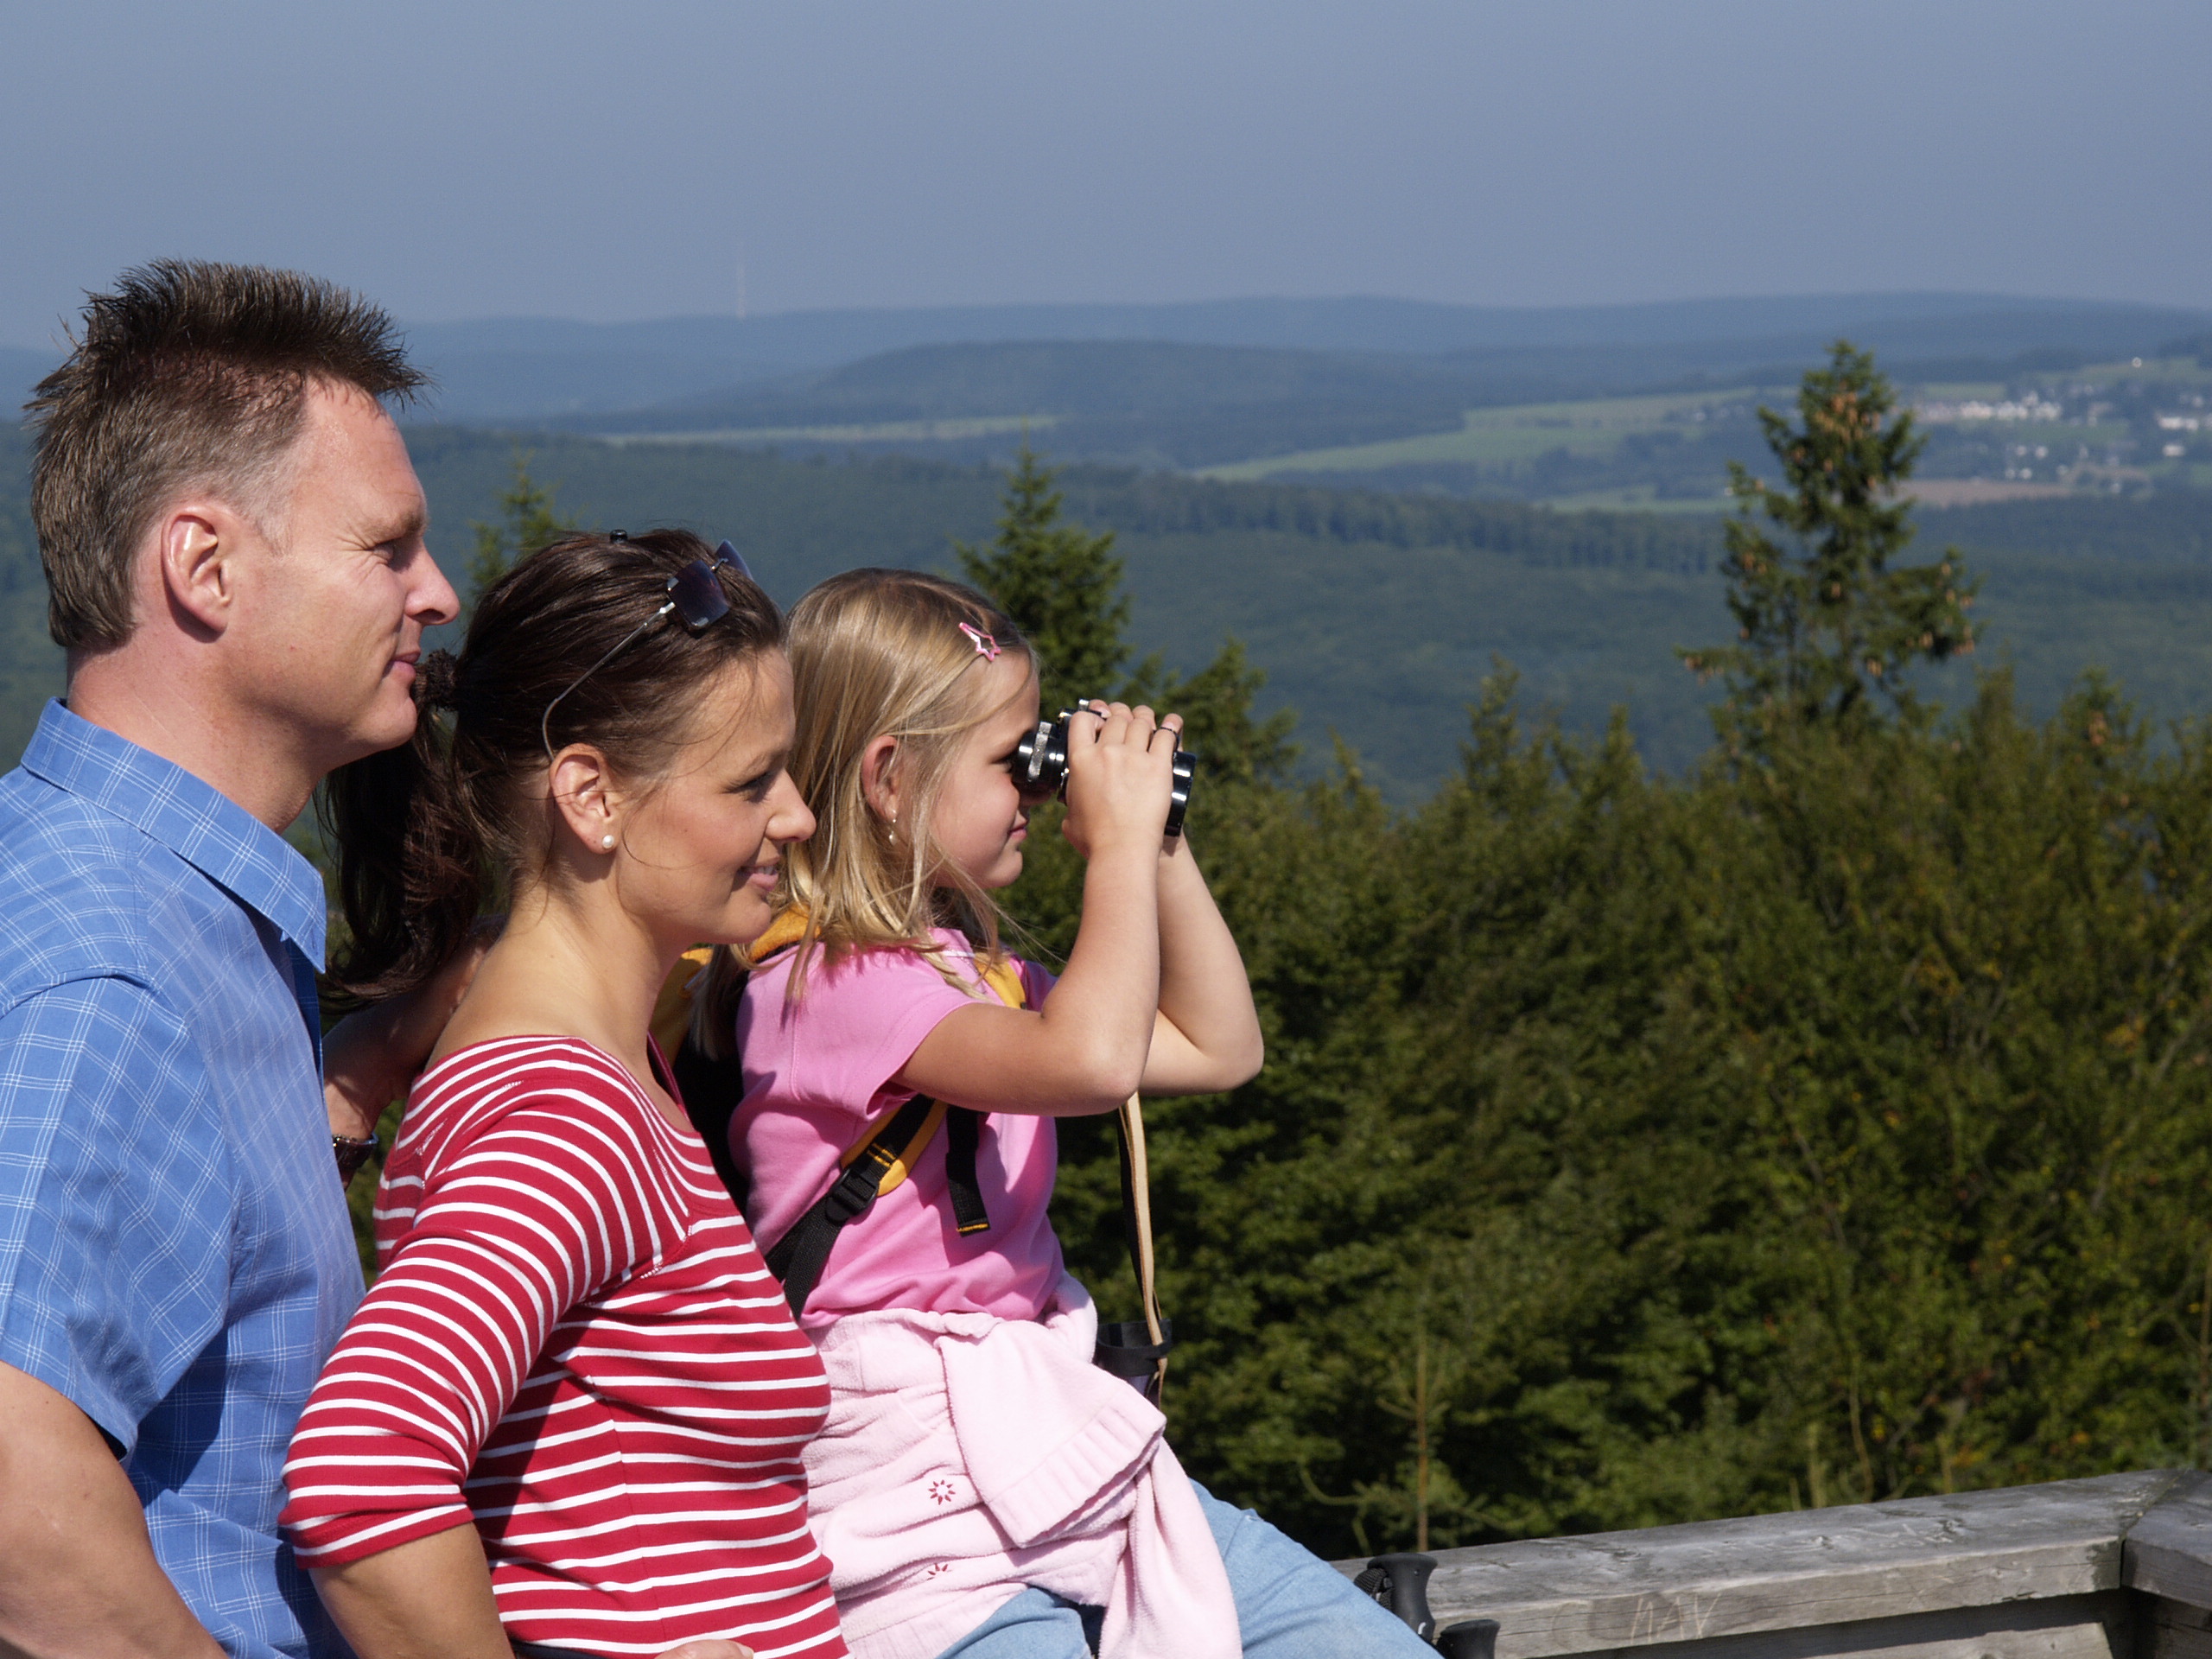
point(1060, 584)
point(530, 522)
point(1825, 618)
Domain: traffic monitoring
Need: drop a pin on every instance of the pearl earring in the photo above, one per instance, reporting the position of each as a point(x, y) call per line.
point(606, 843)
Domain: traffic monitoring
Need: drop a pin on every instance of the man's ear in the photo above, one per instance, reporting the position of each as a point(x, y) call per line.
point(585, 797)
point(195, 546)
point(879, 777)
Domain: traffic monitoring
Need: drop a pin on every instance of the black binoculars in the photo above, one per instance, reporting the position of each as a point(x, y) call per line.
point(1041, 766)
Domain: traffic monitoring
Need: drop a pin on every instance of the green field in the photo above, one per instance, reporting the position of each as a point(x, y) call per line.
point(944, 431)
point(1501, 436)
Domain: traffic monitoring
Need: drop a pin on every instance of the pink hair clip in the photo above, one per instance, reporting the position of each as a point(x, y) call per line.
point(986, 647)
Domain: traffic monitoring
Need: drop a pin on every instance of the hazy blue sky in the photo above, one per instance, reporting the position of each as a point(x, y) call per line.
point(470, 158)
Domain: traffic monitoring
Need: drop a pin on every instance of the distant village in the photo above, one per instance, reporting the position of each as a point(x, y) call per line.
point(2143, 424)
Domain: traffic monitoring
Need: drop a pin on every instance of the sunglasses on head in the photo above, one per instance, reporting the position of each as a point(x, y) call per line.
point(695, 594)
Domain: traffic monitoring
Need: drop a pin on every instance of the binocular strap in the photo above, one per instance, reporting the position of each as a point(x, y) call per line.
point(1136, 1349)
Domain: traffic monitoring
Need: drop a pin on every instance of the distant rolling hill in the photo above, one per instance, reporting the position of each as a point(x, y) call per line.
point(1188, 406)
point(517, 369)
point(1311, 373)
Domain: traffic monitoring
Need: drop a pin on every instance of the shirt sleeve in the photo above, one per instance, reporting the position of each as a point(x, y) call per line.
point(116, 1199)
point(853, 1029)
point(544, 1208)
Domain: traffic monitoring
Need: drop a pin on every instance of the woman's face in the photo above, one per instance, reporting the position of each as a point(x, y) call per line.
point(699, 855)
point(980, 822)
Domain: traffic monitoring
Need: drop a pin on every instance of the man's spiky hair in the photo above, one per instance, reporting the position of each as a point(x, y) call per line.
point(189, 377)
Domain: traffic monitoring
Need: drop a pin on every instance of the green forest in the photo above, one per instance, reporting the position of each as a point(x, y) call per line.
point(1789, 1089)
point(1825, 1123)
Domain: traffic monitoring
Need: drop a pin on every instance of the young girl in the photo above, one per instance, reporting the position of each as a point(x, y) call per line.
point(570, 1416)
point(981, 1488)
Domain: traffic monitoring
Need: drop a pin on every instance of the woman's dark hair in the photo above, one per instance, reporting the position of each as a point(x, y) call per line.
point(426, 833)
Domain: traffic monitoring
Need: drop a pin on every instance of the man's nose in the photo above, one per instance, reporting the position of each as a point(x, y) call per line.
point(434, 600)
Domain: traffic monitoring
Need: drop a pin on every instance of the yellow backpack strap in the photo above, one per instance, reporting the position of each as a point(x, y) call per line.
point(1005, 981)
point(671, 1021)
point(787, 930)
point(906, 1153)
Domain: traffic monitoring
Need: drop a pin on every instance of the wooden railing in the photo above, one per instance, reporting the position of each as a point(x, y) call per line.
point(2118, 1568)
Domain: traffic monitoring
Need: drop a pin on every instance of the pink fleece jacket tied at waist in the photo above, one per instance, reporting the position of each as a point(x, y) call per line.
point(966, 1456)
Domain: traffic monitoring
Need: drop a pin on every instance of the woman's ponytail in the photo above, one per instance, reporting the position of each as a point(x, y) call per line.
point(411, 878)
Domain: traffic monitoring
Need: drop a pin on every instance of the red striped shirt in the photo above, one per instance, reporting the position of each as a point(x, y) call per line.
point(573, 1342)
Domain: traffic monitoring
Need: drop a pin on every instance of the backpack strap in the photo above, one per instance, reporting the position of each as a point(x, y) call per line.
point(711, 1090)
point(962, 1132)
point(801, 1253)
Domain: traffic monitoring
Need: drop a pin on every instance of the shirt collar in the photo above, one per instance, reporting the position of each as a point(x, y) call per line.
point(191, 818)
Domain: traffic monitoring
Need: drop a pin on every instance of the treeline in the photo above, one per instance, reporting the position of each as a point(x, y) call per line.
point(2169, 526)
point(1828, 1124)
point(1158, 503)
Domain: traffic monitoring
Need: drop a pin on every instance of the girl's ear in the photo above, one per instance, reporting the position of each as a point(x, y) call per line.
point(879, 777)
point(585, 796)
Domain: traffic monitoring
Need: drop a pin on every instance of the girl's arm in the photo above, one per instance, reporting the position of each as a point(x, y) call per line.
point(1154, 996)
point(1206, 1036)
point(1085, 1051)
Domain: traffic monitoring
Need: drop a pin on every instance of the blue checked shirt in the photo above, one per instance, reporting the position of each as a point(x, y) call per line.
point(175, 1252)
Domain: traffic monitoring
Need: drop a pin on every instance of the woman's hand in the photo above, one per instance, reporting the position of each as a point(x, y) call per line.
point(709, 1650)
point(1120, 776)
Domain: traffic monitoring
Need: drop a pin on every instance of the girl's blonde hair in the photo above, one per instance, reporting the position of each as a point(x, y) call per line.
point(877, 652)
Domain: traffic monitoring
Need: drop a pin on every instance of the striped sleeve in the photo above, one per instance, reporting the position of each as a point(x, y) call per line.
point(545, 1205)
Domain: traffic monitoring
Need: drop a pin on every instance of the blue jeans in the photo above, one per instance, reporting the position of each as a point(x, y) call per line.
point(1290, 1605)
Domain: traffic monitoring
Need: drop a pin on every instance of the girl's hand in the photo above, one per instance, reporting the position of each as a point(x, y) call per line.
point(1120, 774)
point(709, 1650)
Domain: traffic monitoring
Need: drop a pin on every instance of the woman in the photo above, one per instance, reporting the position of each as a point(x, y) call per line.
point(573, 1344)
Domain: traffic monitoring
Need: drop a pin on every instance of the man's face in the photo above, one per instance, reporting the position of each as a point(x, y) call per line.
point(337, 589)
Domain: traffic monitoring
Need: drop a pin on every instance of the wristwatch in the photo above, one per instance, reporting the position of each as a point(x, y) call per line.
point(352, 1152)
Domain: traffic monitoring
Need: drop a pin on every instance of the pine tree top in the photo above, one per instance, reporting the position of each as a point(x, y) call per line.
point(1825, 621)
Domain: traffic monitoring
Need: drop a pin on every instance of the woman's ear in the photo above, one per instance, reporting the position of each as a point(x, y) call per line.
point(585, 797)
point(879, 777)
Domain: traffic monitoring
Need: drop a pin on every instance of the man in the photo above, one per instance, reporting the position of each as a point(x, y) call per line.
point(233, 538)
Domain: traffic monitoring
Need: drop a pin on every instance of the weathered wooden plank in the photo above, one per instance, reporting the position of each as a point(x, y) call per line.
point(1845, 1565)
point(2171, 1630)
point(2067, 1627)
point(2170, 1550)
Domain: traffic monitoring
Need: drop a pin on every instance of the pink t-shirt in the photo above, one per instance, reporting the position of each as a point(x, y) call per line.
point(818, 1070)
